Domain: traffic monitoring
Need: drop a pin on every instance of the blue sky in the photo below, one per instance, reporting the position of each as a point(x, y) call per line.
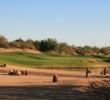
point(77, 22)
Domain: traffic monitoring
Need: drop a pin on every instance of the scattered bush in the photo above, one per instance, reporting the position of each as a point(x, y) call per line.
point(99, 90)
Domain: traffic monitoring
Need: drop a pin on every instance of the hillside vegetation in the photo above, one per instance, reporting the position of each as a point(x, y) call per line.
point(53, 45)
point(51, 60)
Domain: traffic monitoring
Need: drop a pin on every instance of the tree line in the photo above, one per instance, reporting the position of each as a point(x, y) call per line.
point(52, 45)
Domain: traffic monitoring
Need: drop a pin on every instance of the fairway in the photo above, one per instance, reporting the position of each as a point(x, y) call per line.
point(51, 60)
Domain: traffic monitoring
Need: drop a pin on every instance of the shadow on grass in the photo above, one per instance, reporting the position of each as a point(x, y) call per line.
point(105, 59)
point(65, 92)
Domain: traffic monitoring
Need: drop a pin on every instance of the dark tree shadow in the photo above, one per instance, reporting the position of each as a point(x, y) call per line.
point(49, 92)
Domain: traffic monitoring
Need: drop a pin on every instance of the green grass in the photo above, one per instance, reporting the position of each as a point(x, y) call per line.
point(49, 59)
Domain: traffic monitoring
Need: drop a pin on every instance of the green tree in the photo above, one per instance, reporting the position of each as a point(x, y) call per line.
point(37, 44)
point(18, 43)
point(48, 45)
point(105, 50)
point(96, 50)
point(87, 50)
point(79, 50)
point(66, 49)
point(29, 44)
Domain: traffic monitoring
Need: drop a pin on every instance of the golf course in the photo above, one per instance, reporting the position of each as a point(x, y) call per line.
point(38, 84)
point(52, 60)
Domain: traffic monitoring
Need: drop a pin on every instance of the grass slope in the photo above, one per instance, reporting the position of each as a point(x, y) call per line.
point(49, 59)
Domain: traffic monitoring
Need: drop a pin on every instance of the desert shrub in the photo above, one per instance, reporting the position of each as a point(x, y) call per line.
point(99, 90)
point(3, 42)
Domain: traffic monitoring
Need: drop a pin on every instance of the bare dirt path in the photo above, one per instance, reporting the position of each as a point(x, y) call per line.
point(38, 85)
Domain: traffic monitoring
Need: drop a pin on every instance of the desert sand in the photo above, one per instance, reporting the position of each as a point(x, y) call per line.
point(38, 85)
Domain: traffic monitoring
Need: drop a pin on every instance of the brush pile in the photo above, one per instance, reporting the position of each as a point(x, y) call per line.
point(99, 90)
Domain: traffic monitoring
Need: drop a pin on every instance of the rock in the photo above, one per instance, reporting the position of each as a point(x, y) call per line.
point(55, 78)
